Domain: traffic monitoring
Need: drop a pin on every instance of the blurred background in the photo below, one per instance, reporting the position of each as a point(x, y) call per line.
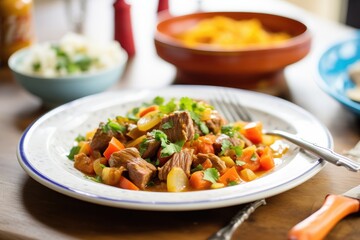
point(99, 14)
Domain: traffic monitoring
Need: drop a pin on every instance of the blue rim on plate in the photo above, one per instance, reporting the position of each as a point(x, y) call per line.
point(44, 145)
point(333, 70)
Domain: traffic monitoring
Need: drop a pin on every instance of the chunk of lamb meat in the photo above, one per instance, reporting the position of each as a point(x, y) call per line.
point(102, 138)
point(84, 163)
point(179, 126)
point(182, 159)
point(215, 122)
point(140, 171)
point(152, 146)
point(215, 160)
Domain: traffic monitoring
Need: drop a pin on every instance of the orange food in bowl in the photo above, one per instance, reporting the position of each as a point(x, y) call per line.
point(256, 67)
point(229, 33)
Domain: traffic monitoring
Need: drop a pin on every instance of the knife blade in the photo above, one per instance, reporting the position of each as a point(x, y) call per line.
point(334, 208)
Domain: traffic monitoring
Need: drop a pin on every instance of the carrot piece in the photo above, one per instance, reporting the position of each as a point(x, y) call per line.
point(114, 146)
point(267, 159)
point(207, 164)
point(127, 184)
point(231, 175)
point(203, 144)
point(250, 158)
point(147, 110)
point(197, 182)
point(253, 131)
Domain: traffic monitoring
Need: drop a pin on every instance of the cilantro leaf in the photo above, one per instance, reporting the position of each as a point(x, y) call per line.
point(132, 114)
point(229, 130)
point(167, 125)
point(112, 125)
point(168, 148)
point(80, 138)
point(232, 183)
point(199, 167)
point(211, 175)
point(168, 107)
point(227, 145)
point(171, 148)
point(36, 66)
point(159, 100)
point(73, 151)
point(95, 179)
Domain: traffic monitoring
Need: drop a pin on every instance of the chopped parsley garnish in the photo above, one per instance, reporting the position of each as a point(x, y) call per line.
point(227, 145)
point(232, 183)
point(195, 109)
point(143, 146)
point(78, 63)
point(133, 114)
point(254, 157)
point(169, 107)
point(229, 130)
point(167, 125)
point(211, 175)
point(196, 136)
point(95, 179)
point(73, 151)
point(195, 117)
point(80, 138)
point(159, 100)
point(168, 148)
point(199, 167)
point(36, 66)
point(112, 125)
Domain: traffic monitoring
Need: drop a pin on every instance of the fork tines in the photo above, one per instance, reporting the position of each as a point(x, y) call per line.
point(228, 104)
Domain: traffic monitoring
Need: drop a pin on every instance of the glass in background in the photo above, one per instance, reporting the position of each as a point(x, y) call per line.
point(76, 15)
point(16, 27)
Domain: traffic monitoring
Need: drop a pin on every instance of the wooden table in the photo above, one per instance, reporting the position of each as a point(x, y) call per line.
point(28, 210)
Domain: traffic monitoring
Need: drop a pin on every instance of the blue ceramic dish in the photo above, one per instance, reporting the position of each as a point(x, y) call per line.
point(55, 91)
point(333, 69)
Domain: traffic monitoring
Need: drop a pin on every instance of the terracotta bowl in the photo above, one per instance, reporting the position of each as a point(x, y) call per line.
point(255, 68)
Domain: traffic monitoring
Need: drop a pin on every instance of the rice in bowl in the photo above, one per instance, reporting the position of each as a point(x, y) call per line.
point(73, 54)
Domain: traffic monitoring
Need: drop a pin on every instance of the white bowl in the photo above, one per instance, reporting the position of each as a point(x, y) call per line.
point(61, 89)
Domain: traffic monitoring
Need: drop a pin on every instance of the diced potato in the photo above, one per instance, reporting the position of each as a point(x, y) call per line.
point(89, 135)
point(177, 180)
point(111, 175)
point(268, 139)
point(228, 161)
point(98, 167)
point(247, 175)
point(217, 185)
point(85, 147)
point(206, 114)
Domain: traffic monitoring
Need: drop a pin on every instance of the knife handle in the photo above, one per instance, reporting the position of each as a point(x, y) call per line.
point(323, 220)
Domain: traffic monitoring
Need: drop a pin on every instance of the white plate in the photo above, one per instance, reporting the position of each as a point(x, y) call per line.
point(43, 148)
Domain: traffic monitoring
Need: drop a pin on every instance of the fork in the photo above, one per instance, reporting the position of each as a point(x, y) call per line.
point(234, 111)
point(233, 115)
point(231, 108)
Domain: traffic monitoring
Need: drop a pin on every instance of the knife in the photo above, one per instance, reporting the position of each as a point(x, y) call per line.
point(335, 208)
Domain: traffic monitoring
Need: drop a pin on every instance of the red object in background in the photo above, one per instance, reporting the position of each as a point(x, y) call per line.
point(123, 27)
point(163, 5)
